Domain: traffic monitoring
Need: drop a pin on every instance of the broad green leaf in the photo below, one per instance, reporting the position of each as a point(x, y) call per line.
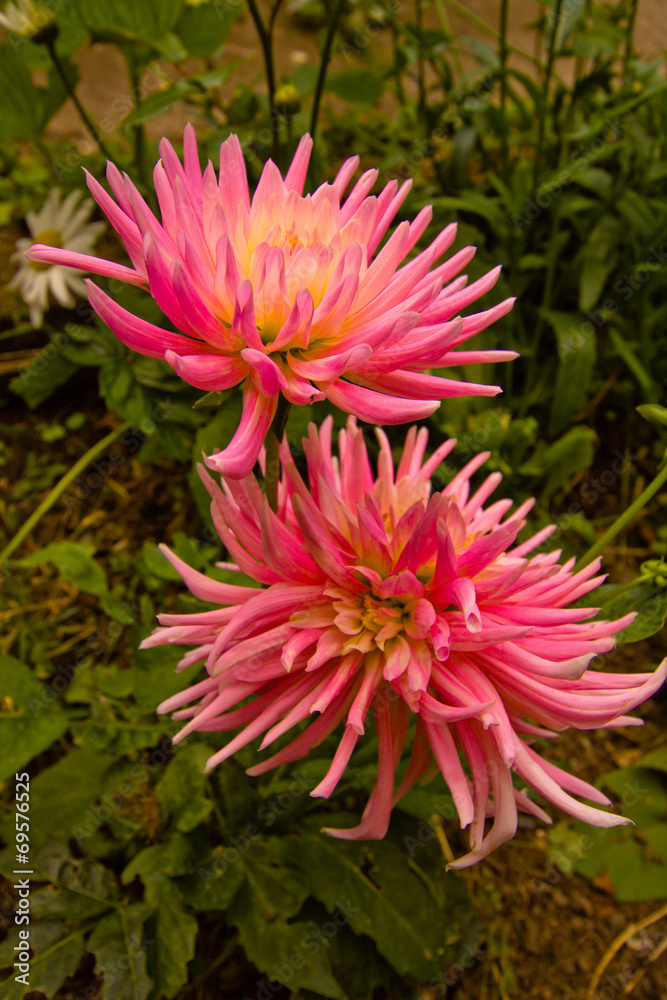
point(119, 945)
point(157, 563)
point(76, 565)
point(642, 794)
point(159, 102)
point(119, 736)
point(150, 19)
point(58, 950)
point(577, 353)
point(153, 675)
point(217, 879)
point(177, 856)
point(634, 877)
point(625, 351)
point(373, 885)
point(291, 954)
point(655, 759)
point(204, 28)
point(80, 889)
point(63, 797)
point(559, 462)
point(172, 932)
point(45, 373)
point(31, 718)
point(19, 98)
point(650, 605)
point(181, 791)
point(356, 86)
point(123, 393)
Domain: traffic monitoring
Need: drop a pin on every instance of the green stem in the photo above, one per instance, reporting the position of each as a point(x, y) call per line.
point(504, 152)
point(83, 114)
point(451, 40)
point(273, 439)
point(421, 79)
point(551, 56)
point(625, 518)
point(629, 38)
point(60, 488)
point(324, 64)
point(480, 23)
point(266, 41)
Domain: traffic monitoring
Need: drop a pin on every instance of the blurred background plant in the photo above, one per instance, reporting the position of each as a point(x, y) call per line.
point(547, 146)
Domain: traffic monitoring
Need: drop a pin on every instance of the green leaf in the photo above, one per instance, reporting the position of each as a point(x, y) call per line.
point(80, 889)
point(560, 461)
point(642, 794)
point(291, 954)
point(204, 28)
point(62, 798)
point(626, 352)
point(19, 98)
point(150, 19)
point(157, 563)
point(153, 675)
point(159, 102)
point(58, 951)
point(45, 373)
point(76, 565)
point(215, 883)
point(655, 760)
point(650, 605)
point(577, 353)
point(177, 856)
point(120, 948)
point(381, 897)
point(172, 932)
point(34, 720)
point(181, 791)
point(122, 392)
point(356, 86)
point(634, 878)
point(274, 891)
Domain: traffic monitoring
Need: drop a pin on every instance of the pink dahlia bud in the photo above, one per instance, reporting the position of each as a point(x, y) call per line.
point(377, 597)
point(289, 294)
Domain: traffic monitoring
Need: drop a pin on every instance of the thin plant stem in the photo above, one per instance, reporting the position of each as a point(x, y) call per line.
point(447, 30)
point(480, 23)
point(421, 81)
point(60, 488)
point(272, 444)
point(324, 64)
point(629, 38)
point(502, 53)
point(266, 41)
point(626, 517)
point(83, 114)
point(551, 56)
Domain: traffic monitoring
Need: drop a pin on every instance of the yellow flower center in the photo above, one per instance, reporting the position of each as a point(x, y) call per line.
point(50, 238)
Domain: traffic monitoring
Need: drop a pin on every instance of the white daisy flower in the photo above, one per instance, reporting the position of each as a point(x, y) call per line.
point(25, 17)
point(57, 224)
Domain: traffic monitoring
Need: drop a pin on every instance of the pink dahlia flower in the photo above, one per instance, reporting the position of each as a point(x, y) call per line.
point(287, 293)
point(379, 598)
